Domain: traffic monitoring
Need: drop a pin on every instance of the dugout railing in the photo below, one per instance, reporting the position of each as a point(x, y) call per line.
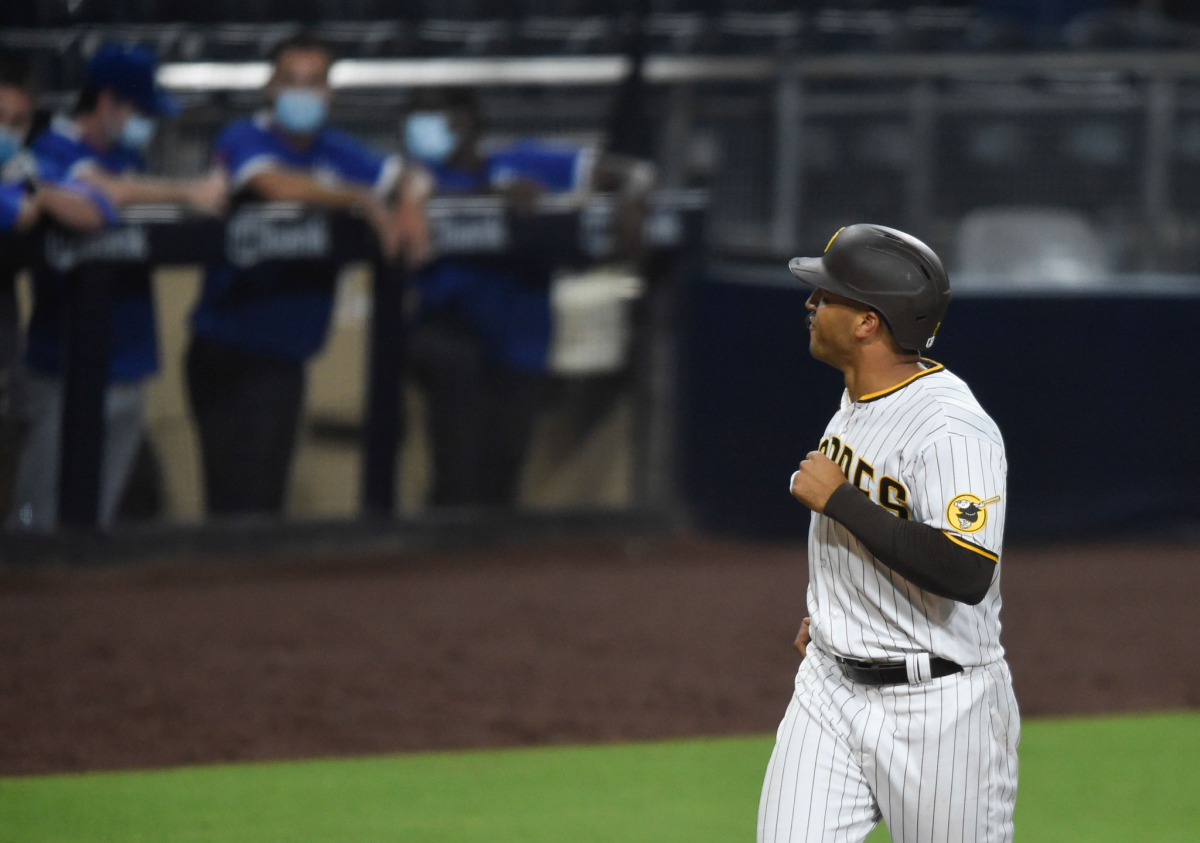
point(560, 230)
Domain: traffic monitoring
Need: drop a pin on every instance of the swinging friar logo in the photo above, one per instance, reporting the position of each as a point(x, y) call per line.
point(969, 513)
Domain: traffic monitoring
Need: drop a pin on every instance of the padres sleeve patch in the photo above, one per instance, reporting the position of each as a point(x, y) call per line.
point(969, 513)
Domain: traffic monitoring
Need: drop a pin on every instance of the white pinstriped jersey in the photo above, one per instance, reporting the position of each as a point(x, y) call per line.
point(926, 450)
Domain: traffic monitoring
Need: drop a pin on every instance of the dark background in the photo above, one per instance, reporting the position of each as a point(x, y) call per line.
point(1095, 396)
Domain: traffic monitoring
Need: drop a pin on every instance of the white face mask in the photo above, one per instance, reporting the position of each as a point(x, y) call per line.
point(137, 132)
point(10, 143)
point(428, 136)
point(300, 110)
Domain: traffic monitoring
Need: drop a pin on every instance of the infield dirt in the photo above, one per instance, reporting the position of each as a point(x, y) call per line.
point(173, 664)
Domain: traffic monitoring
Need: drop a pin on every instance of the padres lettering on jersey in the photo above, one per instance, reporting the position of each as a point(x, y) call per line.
point(924, 450)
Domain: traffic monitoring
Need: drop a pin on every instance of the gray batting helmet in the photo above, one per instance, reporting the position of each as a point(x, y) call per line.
point(892, 272)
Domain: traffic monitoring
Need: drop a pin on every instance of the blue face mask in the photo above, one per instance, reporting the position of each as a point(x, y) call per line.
point(428, 136)
point(300, 110)
point(10, 144)
point(137, 132)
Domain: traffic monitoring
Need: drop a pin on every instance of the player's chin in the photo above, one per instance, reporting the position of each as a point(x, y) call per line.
point(815, 348)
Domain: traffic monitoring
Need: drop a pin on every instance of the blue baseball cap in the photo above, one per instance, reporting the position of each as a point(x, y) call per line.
point(129, 70)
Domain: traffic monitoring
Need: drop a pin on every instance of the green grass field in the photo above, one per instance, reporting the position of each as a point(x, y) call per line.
point(1123, 780)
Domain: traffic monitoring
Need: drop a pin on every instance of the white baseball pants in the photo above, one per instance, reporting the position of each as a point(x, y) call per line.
point(936, 761)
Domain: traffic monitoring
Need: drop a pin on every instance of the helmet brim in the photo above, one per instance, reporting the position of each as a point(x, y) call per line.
point(812, 272)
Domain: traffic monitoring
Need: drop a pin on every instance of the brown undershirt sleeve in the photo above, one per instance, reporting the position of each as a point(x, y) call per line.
point(923, 555)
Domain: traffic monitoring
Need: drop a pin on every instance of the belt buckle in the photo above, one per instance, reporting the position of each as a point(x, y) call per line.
point(918, 668)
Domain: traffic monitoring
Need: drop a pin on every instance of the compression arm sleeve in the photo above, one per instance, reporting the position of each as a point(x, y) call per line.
point(923, 555)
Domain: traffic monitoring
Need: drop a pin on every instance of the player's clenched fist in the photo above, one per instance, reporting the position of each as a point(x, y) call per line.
point(815, 480)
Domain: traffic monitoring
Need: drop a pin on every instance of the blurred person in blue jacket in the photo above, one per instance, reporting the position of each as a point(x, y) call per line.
point(25, 195)
point(255, 327)
point(86, 166)
point(19, 205)
point(24, 198)
point(480, 339)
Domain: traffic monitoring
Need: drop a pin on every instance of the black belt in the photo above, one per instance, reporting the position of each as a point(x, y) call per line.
point(891, 673)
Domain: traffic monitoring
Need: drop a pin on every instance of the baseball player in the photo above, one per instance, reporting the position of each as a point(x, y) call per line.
point(903, 707)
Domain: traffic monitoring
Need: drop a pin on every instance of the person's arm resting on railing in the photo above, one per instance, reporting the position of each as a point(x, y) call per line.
point(207, 195)
point(399, 223)
point(74, 208)
point(632, 180)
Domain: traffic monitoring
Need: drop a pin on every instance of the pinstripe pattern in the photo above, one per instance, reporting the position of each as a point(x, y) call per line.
point(936, 761)
point(934, 440)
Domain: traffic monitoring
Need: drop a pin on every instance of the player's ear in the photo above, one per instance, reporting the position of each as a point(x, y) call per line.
point(868, 324)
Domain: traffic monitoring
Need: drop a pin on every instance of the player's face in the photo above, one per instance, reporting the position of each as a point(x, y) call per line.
point(832, 320)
